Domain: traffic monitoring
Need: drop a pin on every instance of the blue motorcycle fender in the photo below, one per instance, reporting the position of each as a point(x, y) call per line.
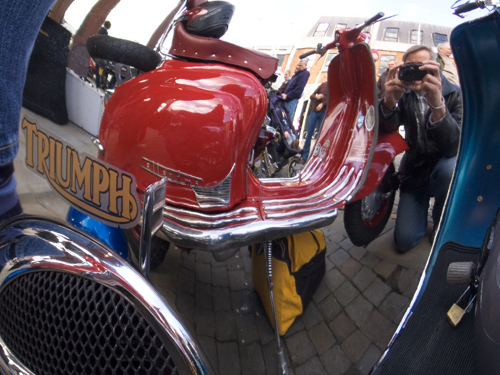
point(111, 236)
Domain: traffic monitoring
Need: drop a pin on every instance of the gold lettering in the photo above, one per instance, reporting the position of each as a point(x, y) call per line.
point(129, 204)
point(52, 158)
point(60, 179)
point(88, 184)
point(81, 176)
point(30, 132)
point(100, 182)
point(43, 153)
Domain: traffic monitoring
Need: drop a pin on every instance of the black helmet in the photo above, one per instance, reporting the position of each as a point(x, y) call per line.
point(210, 19)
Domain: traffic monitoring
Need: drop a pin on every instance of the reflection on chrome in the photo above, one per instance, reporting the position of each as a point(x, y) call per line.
point(36, 249)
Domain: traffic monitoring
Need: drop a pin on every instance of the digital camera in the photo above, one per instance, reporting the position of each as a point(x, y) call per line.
point(410, 72)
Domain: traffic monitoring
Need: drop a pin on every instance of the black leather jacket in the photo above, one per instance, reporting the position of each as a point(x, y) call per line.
point(427, 142)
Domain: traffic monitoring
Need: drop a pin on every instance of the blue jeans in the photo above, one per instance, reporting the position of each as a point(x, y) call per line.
point(411, 222)
point(291, 105)
point(315, 121)
point(20, 20)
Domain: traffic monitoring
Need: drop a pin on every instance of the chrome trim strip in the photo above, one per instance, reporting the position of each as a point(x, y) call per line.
point(210, 216)
point(27, 248)
point(302, 211)
point(214, 240)
point(213, 224)
point(10, 363)
point(222, 231)
point(203, 220)
point(245, 226)
point(325, 194)
point(215, 196)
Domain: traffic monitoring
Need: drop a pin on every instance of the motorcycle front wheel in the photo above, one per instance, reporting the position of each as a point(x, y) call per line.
point(366, 218)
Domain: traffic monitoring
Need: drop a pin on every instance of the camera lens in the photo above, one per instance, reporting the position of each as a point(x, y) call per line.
point(408, 73)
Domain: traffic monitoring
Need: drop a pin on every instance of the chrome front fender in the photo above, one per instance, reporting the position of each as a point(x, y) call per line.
point(40, 249)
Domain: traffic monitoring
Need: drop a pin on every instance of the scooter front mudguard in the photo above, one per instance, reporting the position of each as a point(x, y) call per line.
point(66, 300)
point(389, 145)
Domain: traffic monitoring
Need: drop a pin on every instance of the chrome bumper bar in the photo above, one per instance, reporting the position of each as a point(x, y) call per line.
point(237, 228)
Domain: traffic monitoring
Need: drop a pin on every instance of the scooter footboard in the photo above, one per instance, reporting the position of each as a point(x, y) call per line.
point(70, 305)
point(426, 343)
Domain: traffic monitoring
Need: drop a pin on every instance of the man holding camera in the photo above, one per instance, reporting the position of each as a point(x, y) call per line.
point(430, 108)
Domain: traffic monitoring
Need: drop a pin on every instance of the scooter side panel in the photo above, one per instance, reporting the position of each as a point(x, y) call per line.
point(345, 147)
point(193, 122)
point(474, 197)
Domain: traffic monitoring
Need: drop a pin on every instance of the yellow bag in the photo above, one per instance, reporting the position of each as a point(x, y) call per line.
point(298, 267)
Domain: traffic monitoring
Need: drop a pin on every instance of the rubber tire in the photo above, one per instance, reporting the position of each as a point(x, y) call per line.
point(159, 247)
point(291, 171)
point(358, 231)
point(123, 51)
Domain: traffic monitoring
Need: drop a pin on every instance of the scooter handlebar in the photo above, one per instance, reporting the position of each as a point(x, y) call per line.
point(306, 54)
point(320, 49)
point(467, 7)
point(370, 21)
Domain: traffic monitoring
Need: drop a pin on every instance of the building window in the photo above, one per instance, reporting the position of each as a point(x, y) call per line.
point(439, 38)
point(391, 34)
point(384, 62)
point(416, 37)
point(328, 59)
point(340, 26)
point(281, 58)
point(321, 29)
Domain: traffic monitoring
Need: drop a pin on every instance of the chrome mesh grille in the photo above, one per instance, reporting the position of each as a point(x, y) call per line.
point(58, 323)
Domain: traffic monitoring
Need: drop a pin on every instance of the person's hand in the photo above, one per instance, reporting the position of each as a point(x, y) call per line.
point(432, 90)
point(319, 96)
point(394, 88)
point(283, 96)
point(319, 106)
point(287, 135)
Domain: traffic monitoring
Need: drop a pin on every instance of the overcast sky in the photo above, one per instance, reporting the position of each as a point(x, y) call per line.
point(269, 22)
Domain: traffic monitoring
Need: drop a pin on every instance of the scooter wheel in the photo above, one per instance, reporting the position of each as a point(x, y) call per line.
point(366, 218)
point(123, 51)
point(293, 166)
point(159, 247)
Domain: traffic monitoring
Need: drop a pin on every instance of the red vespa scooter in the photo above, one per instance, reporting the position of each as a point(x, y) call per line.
point(196, 118)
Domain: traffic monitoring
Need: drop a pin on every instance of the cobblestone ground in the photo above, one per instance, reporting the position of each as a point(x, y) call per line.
point(344, 330)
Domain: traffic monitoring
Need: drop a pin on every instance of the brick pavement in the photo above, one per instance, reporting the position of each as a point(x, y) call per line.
point(344, 330)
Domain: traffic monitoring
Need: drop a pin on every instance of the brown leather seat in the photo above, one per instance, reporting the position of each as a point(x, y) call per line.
point(211, 49)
